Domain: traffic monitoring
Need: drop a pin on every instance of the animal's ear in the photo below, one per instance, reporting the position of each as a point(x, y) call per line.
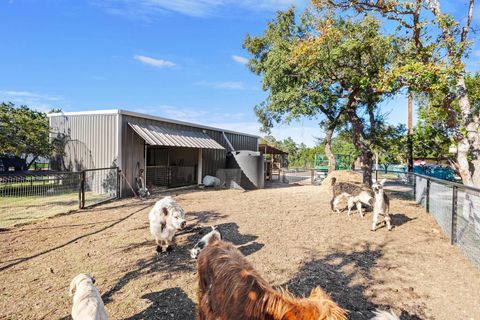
point(374, 180)
point(93, 279)
point(214, 228)
point(318, 292)
point(383, 181)
point(165, 211)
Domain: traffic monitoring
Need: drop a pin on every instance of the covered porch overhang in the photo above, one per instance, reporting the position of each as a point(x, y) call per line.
point(170, 152)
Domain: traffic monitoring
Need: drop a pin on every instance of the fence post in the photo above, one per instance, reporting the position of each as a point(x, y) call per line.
point(118, 183)
point(427, 200)
point(376, 174)
point(312, 176)
point(454, 215)
point(81, 191)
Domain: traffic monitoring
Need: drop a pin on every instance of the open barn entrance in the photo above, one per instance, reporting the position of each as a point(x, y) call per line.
point(171, 167)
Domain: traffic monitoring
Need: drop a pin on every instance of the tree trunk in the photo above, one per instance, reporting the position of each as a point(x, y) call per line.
point(366, 155)
point(471, 141)
point(332, 163)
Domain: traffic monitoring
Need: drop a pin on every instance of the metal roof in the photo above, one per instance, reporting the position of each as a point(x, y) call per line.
point(147, 116)
point(265, 148)
point(160, 136)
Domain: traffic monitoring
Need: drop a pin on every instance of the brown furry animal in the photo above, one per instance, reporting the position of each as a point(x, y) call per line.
point(229, 288)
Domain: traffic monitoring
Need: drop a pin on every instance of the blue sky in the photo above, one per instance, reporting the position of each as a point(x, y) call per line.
point(179, 59)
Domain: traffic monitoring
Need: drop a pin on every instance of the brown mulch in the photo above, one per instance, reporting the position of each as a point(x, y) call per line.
point(288, 234)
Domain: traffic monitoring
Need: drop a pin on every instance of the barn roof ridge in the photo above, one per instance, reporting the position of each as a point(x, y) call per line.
point(147, 116)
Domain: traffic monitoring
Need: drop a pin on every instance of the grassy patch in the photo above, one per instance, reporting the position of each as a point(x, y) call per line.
point(22, 210)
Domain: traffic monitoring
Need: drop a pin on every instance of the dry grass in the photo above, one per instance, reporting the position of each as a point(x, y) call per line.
point(288, 234)
point(15, 211)
point(342, 176)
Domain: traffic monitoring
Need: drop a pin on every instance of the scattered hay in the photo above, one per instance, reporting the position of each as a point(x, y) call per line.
point(342, 176)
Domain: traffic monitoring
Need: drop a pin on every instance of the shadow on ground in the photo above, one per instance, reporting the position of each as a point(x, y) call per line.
point(338, 274)
point(179, 260)
point(171, 303)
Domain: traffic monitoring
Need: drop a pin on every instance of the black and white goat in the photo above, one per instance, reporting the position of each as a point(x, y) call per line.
point(202, 243)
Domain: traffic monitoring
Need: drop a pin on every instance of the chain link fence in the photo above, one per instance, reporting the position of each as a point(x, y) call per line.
point(456, 208)
point(31, 196)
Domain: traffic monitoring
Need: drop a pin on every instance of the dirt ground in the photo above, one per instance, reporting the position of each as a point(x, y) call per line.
point(288, 234)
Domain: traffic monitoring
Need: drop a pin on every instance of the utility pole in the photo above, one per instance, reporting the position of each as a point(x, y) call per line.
point(410, 133)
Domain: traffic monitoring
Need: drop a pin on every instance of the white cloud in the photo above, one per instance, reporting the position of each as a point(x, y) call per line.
point(229, 85)
point(240, 59)
point(159, 63)
point(196, 8)
point(40, 102)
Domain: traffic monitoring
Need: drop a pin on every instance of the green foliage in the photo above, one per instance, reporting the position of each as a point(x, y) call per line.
point(23, 132)
point(310, 67)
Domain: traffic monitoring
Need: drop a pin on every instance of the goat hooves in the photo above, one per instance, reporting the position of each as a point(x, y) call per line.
point(169, 249)
point(159, 249)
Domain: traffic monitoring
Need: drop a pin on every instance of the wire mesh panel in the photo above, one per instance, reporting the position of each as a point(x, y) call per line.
point(29, 197)
point(421, 191)
point(398, 183)
point(100, 185)
point(182, 176)
point(467, 227)
point(157, 176)
point(440, 205)
point(300, 176)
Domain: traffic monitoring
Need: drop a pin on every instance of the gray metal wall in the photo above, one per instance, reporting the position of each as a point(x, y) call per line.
point(92, 143)
point(133, 152)
point(91, 140)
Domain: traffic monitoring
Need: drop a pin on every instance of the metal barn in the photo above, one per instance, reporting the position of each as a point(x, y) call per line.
point(172, 153)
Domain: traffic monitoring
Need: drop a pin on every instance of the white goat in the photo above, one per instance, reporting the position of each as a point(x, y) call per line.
point(87, 302)
point(166, 217)
point(381, 205)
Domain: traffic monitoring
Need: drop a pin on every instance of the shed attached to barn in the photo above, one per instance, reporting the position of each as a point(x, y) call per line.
point(172, 153)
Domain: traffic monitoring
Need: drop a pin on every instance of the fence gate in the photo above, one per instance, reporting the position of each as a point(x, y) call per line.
point(98, 185)
point(30, 196)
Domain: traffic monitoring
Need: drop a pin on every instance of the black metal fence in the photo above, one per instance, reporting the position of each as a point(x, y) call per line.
point(30, 196)
point(455, 207)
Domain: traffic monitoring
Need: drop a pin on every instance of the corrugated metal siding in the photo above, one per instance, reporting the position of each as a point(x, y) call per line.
point(161, 136)
point(91, 140)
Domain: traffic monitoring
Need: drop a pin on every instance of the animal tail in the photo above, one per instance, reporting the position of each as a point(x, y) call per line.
point(384, 315)
point(333, 181)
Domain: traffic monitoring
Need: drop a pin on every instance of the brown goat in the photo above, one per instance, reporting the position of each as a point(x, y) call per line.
point(229, 288)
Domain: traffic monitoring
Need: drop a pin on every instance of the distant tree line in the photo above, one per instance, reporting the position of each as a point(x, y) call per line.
point(24, 133)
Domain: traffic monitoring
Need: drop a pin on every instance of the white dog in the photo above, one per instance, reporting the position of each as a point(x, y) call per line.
point(87, 303)
point(166, 217)
point(202, 243)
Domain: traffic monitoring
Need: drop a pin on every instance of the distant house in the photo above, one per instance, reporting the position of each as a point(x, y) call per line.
point(12, 163)
point(172, 153)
